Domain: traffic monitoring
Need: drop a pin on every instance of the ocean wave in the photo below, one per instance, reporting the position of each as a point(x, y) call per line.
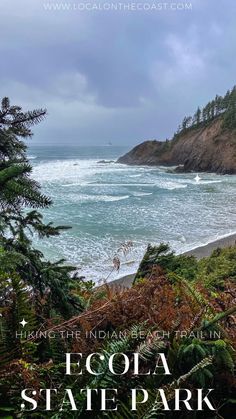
point(200, 182)
point(177, 186)
point(142, 193)
point(75, 184)
point(202, 243)
point(74, 170)
point(87, 194)
point(115, 198)
point(170, 185)
point(161, 184)
point(120, 184)
point(208, 182)
point(97, 198)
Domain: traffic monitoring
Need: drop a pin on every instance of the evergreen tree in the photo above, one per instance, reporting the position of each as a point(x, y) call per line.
point(212, 109)
point(225, 106)
point(186, 122)
point(18, 191)
point(197, 117)
point(226, 99)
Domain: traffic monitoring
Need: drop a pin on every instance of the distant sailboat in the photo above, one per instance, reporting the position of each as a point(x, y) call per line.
point(197, 178)
point(109, 143)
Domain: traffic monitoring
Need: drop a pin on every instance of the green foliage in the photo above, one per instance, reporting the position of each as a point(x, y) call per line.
point(15, 307)
point(19, 191)
point(185, 266)
point(17, 188)
point(230, 114)
point(221, 105)
point(219, 267)
point(213, 271)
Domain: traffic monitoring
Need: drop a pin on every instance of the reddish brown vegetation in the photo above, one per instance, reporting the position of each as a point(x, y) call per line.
point(156, 301)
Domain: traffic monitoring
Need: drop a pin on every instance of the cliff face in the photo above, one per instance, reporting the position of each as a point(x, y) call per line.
point(208, 149)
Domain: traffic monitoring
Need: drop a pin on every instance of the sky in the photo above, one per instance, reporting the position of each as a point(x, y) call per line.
point(124, 75)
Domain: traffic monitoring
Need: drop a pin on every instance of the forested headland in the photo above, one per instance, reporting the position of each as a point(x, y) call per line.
point(203, 142)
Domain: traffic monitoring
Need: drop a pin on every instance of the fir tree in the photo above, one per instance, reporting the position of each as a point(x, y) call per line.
point(18, 192)
point(17, 188)
point(197, 116)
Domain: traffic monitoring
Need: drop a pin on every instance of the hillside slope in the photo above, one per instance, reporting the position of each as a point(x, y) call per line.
point(209, 148)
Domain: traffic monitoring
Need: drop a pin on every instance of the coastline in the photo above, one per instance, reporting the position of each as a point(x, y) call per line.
point(199, 252)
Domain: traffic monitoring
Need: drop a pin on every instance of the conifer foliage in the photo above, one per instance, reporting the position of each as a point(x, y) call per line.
point(20, 201)
point(16, 186)
point(224, 106)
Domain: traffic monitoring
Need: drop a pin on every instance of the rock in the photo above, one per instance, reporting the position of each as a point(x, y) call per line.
point(105, 161)
point(205, 149)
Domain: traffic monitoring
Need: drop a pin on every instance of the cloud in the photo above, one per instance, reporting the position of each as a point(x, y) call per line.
point(115, 76)
point(187, 60)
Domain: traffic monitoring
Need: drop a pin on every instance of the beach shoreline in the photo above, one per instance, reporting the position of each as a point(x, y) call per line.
point(199, 252)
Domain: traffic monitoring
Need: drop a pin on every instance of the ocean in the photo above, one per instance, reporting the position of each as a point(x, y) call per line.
point(116, 210)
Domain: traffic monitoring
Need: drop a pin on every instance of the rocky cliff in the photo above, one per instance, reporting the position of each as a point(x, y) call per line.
point(208, 148)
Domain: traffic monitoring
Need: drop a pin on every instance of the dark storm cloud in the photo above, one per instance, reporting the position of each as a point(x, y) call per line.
point(120, 76)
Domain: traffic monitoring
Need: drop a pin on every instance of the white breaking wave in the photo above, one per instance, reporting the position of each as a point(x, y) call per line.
point(142, 193)
point(64, 170)
point(203, 243)
point(199, 183)
point(170, 185)
point(98, 202)
point(97, 198)
point(75, 184)
point(70, 173)
point(208, 182)
point(113, 198)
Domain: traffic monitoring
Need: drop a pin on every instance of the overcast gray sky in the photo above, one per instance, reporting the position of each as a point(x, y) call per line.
point(122, 76)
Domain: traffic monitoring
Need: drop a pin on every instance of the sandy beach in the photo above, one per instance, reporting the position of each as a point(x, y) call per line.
point(199, 252)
